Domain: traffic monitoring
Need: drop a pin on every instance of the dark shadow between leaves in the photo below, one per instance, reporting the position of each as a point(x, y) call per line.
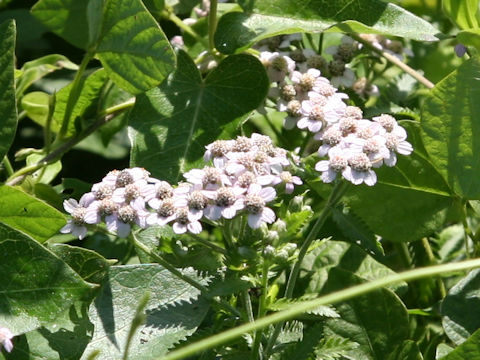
point(104, 305)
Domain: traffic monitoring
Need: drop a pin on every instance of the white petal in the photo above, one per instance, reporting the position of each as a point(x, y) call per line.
point(195, 227)
point(268, 215)
point(70, 205)
point(229, 212)
point(268, 194)
point(254, 220)
point(123, 229)
point(179, 228)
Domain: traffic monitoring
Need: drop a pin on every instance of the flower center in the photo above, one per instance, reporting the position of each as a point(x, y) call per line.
point(124, 178)
point(166, 209)
point(360, 162)
point(254, 204)
point(197, 201)
point(225, 197)
point(127, 214)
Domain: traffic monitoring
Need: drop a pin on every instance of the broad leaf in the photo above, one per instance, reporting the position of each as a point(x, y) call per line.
point(265, 18)
point(29, 215)
point(451, 128)
point(36, 104)
point(172, 313)
point(124, 35)
point(8, 109)
point(46, 174)
point(470, 37)
point(348, 258)
point(171, 125)
point(92, 267)
point(470, 349)
point(461, 308)
point(37, 285)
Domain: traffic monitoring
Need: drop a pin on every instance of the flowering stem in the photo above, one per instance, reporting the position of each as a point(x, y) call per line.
point(212, 24)
point(302, 307)
point(209, 244)
point(415, 74)
point(248, 305)
point(136, 243)
point(261, 308)
point(335, 196)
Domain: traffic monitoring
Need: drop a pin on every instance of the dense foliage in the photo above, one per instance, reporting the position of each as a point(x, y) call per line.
point(261, 179)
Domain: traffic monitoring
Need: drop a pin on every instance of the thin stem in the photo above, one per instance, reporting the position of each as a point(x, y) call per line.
point(170, 15)
point(7, 165)
point(467, 232)
point(335, 196)
point(47, 134)
point(261, 307)
point(212, 24)
point(432, 261)
point(179, 274)
point(332, 298)
point(110, 113)
point(248, 305)
point(415, 74)
point(77, 86)
point(209, 244)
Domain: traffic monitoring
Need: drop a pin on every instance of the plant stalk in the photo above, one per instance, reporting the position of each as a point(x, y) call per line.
point(212, 25)
point(333, 298)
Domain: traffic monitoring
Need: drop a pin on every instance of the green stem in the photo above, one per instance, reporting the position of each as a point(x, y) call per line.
point(212, 24)
point(332, 298)
point(75, 91)
point(47, 134)
point(209, 244)
point(467, 232)
point(170, 15)
point(248, 305)
point(261, 308)
point(179, 274)
point(335, 196)
point(415, 74)
point(56, 153)
point(7, 165)
point(432, 261)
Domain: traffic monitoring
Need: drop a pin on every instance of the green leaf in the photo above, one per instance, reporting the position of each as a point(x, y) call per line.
point(460, 308)
point(8, 108)
point(349, 258)
point(29, 215)
point(171, 125)
point(36, 104)
point(122, 33)
point(37, 285)
point(237, 31)
point(470, 349)
point(408, 350)
point(470, 37)
point(46, 174)
point(462, 12)
point(88, 99)
point(451, 127)
point(91, 266)
point(334, 347)
point(376, 335)
point(36, 69)
point(173, 312)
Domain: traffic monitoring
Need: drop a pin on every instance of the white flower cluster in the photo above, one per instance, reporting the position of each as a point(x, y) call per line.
point(354, 145)
point(240, 181)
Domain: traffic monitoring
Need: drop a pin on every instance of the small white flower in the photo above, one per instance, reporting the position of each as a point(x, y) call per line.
point(360, 170)
point(185, 221)
point(254, 203)
point(121, 222)
point(210, 178)
point(226, 203)
point(337, 163)
point(278, 66)
point(78, 211)
point(288, 179)
point(6, 337)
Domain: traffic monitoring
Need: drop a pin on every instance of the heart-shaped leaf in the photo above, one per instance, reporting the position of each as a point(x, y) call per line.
point(170, 125)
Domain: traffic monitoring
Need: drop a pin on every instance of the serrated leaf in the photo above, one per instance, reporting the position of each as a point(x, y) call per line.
point(304, 348)
point(283, 304)
point(172, 313)
point(451, 126)
point(171, 125)
point(8, 108)
point(91, 266)
point(36, 69)
point(460, 310)
point(470, 349)
point(126, 38)
point(334, 347)
point(29, 215)
point(37, 285)
point(265, 18)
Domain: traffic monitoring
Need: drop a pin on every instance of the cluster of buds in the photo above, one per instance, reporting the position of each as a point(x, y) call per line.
point(354, 145)
point(240, 182)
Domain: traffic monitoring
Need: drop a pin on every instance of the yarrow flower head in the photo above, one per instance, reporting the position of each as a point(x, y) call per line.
point(243, 173)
